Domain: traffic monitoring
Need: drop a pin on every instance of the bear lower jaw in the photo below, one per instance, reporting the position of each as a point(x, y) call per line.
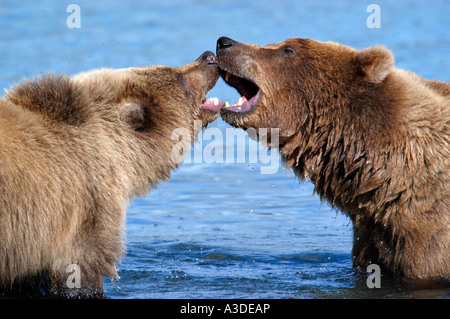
point(247, 89)
point(243, 105)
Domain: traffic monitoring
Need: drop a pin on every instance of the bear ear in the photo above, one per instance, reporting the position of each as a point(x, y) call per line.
point(375, 63)
point(132, 114)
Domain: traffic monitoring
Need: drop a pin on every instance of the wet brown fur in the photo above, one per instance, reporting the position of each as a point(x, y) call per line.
point(374, 139)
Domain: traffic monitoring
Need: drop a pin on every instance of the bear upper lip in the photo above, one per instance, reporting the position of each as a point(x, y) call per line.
point(248, 90)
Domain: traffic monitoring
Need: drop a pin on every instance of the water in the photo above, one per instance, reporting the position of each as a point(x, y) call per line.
point(223, 230)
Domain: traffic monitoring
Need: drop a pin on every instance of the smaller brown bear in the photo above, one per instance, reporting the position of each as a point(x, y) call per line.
point(73, 152)
point(374, 139)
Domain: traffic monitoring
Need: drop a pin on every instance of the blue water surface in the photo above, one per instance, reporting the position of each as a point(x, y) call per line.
point(224, 230)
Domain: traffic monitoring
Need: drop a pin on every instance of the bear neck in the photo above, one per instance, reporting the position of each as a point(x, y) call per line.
point(326, 152)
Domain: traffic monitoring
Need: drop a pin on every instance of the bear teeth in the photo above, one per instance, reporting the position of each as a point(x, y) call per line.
point(214, 100)
point(227, 76)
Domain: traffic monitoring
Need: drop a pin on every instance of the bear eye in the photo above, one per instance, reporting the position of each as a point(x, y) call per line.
point(288, 50)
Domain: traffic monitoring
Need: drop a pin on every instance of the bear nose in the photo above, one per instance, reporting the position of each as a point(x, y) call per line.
point(224, 43)
point(208, 57)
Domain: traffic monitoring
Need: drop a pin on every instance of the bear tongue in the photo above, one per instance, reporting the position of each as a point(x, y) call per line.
point(213, 104)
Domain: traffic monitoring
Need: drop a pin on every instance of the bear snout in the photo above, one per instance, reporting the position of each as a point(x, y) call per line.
point(207, 57)
point(224, 43)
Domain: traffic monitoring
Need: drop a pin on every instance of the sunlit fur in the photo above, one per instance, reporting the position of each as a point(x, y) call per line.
point(73, 152)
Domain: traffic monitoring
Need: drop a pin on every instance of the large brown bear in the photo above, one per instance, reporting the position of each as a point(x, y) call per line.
point(73, 152)
point(374, 139)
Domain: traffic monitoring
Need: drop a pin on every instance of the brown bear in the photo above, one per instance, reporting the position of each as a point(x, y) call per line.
point(73, 152)
point(374, 140)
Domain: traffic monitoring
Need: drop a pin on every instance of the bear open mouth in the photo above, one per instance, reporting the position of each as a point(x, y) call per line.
point(248, 90)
